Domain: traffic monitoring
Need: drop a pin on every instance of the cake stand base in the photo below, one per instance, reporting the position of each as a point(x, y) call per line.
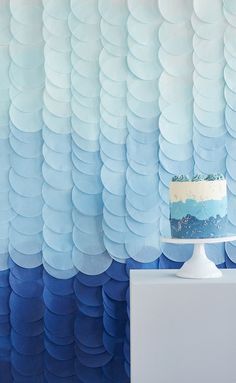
point(199, 266)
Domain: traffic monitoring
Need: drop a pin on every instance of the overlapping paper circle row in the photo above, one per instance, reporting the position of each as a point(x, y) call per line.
point(175, 102)
point(209, 102)
point(26, 309)
point(58, 183)
point(113, 126)
point(26, 76)
point(6, 212)
point(5, 325)
point(89, 257)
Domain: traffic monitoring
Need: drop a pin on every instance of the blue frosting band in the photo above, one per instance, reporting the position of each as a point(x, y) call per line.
point(191, 227)
point(201, 210)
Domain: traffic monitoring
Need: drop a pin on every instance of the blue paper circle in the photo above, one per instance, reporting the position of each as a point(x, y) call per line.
point(91, 296)
point(59, 304)
point(89, 330)
point(59, 325)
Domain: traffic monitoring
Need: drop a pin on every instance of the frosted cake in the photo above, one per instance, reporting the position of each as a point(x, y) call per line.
point(198, 207)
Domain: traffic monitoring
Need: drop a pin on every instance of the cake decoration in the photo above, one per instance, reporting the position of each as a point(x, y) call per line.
point(215, 176)
point(198, 177)
point(180, 178)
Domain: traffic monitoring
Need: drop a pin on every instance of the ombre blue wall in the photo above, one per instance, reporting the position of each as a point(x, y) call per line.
point(101, 103)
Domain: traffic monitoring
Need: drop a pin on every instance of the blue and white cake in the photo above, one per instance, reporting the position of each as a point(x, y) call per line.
point(198, 207)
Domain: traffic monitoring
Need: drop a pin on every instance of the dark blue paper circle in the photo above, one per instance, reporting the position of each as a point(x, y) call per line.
point(91, 360)
point(91, 296)
point(91, 311)
point(61, 368)
point(89, 330)
point(19, 378)
point(27, 345)
point(27, 328)
point(114, 327)
point(59, 325)
point(58, 286)
point(60, 352)
point(113, 345)
point(59, 304)
point(26, 289)
point(93, 280)
point(52, 378)
point(60, 340)
point(26, 309)
point(115, 289)
point(27, 365)
point(117, 271)
point(88, 375)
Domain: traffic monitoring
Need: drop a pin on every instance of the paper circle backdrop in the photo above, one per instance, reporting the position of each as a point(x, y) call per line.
point(101, 103)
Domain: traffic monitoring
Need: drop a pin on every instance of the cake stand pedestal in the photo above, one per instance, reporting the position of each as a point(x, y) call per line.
point(199, 266)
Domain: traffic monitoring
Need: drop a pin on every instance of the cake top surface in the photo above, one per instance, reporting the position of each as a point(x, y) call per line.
point(199, 177)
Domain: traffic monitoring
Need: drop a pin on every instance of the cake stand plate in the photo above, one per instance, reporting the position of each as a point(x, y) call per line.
point(199, 266)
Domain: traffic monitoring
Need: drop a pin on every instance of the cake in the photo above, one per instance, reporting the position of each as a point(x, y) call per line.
point(198, 207)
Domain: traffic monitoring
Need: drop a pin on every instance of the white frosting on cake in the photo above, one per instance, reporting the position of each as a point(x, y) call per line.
point(198, 191)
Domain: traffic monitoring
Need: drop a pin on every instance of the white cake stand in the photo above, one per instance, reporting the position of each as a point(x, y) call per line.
point(199, 266)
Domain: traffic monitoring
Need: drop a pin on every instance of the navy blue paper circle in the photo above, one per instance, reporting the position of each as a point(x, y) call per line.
point(114, 304)
point(115, 371)
point(58, 286)
point(88, 375)
point(60, 340)
point(26, 379)
point(115, 289)
point(25, 274)
point(90, 350)
point(5, 328)
point(27, 365)
point(115, 312)
point(61, 352)
point(4, 299)
point(114, 327)
point(91, 296)
point(4, 278)
point(93, 361)
point(127, 351)
point(127, 369)
point(165, 263)
point(27, 345)
point(27, 328)
point(92, 280)
point(229, 264)
point(51, 378)
point(131, 264)
point(113, 345)
point(91, 311)
point(61, 368)
point(89, 330)
point(117, 271)
point(59, 304)
point(5, 346)
point(4, 318)
point(26, 309)
point(59, 325)
point(26, 289)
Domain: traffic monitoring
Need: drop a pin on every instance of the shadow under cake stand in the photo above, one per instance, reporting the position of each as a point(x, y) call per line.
point(199, 265)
